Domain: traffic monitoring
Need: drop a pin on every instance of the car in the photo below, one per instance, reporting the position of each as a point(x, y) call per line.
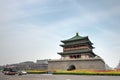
point(22, 72)
point(10, 72)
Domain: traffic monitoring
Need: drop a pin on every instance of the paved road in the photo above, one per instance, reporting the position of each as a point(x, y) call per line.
point(56, 77)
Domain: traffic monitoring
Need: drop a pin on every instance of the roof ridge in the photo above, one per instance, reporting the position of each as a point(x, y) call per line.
point(77, 36)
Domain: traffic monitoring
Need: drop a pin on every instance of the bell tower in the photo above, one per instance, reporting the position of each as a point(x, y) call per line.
point(77, 47)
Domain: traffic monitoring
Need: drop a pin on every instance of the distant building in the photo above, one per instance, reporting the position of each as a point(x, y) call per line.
point(39, 65)
point(118, 66)
point(108, 67)
point(45, 61)
point(77, 54)
point(1, 67)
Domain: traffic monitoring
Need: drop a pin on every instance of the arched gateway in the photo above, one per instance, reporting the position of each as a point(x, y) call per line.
point(78, 51)
point(71, 67)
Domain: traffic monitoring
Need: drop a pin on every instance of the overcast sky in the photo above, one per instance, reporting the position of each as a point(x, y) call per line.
point(31, 30)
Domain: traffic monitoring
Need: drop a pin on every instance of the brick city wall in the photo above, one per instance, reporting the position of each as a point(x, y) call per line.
point(97, 64)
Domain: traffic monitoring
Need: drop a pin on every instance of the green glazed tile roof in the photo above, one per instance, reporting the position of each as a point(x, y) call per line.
point(76, 51)
point(76, 37)
point(82, 42)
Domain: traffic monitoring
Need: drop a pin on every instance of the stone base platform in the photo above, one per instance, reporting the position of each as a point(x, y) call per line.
point(89, 64)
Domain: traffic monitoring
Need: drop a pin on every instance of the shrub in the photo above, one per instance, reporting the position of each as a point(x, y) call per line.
point(88, 72)
point(36, 71)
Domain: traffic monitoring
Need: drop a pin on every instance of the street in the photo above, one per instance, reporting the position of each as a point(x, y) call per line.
point(56, 77)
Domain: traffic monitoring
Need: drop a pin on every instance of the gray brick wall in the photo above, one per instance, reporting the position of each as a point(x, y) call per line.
point(97, 64)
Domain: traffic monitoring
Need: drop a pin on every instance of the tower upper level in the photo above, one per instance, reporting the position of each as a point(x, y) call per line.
point(77, 47)
point(77, 43)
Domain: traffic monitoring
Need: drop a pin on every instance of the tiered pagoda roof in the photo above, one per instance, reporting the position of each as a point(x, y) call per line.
point(75, 41)
point(77, 37)
point(77, 51)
